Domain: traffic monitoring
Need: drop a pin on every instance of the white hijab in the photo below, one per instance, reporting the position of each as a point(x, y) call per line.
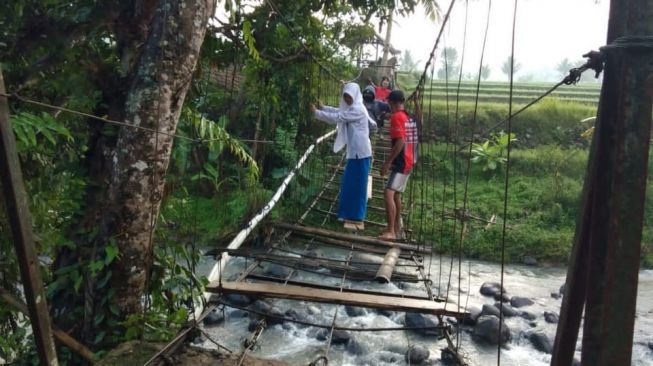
point(350, 113)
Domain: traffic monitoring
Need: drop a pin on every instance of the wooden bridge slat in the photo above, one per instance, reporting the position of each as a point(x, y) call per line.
point(352, 238)
point(333, 297)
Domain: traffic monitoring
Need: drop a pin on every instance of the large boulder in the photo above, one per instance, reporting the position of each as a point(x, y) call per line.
point(518, 301)
point(551, 317)
point(339, 336)
point(487, 330)
point(472, 315)
point(238, 299)
point(447, 357)
point(416, 355)
point(491, 289)
point(502, 297)
point(507, 310)
point(540, 341)
point(417, 320)
point(490, 310)
point(213, 318)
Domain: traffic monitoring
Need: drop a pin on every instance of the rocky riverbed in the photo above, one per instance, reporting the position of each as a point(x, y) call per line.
point(531, 303)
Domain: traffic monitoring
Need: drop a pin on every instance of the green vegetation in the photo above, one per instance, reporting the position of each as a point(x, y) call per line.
point(543, 202)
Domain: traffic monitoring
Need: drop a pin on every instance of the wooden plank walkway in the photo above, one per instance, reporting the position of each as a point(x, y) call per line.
point(333, 297)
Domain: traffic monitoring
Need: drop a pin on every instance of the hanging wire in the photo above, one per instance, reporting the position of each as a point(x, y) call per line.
point(506, 182)
point(469, 163)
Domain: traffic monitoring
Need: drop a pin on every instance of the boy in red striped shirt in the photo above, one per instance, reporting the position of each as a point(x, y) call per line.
point(403, 133)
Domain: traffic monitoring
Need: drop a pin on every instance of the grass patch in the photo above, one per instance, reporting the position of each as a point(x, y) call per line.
point(545, 189)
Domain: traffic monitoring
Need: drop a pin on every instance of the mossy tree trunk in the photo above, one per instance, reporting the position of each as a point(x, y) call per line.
point(140, 158)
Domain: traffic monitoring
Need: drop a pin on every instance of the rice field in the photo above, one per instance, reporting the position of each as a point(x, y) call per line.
point(499, 92)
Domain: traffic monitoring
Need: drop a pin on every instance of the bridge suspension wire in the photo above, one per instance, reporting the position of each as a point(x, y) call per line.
point(469, 166)
point(507, 179)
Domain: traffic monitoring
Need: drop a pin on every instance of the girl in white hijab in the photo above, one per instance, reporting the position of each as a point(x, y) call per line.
point(353, 125)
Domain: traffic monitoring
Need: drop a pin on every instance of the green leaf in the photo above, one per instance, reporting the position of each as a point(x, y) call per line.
point(112, 252)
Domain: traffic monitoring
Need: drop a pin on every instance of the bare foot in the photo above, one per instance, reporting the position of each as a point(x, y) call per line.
point(387, 235)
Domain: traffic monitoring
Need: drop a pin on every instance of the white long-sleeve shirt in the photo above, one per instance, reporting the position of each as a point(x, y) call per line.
point(357, 130)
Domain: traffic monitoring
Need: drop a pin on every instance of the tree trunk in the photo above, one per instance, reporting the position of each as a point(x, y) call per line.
point(159, 84)
point(386, 46)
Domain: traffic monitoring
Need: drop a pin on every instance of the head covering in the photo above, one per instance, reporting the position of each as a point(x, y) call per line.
point(370, 93)
point(353, 112)
point(396, 96)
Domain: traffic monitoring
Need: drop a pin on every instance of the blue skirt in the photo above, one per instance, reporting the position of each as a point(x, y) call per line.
point(353, 190)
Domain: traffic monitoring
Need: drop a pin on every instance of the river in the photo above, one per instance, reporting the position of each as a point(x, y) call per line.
point(299, 345)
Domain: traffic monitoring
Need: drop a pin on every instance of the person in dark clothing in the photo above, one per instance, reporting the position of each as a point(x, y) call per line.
point(376, 109)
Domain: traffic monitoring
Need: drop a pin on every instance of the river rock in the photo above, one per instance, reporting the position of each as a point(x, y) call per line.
point(472, 316)
point(416, 355)
point(388, 313)
point(528, 315)
point(562, 289)
point(540, 341)
point(447, 357)
point(355, 311)
point(397, 348)
point(292, 314)
point(275, 270)
point(551, 317)
point(237, 313)
point(502, 297)
point(261, 306)
point(529, 260)
point(518, 301)
point(507, 310)
point(313, 310)
point(487, 329)
point(355, 347)
point(276, 316)
point(490, 310)
point(556, 295)
point(420, 320)
point(491, 289)
point(238, 299)
point(213, 318)
point(388, 357)
point(339, 336)
point(650, 346)
point(253, 324)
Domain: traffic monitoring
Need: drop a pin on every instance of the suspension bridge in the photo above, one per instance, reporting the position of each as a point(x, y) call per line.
point(353, 268)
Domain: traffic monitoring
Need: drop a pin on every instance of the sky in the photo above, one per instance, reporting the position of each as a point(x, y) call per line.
point(547, 31)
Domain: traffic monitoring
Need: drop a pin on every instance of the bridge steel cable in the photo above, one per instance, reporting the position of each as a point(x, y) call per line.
point(507, 179)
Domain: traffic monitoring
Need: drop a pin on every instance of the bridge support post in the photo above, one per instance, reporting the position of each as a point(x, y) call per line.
point(604, 269)
point(21, 228)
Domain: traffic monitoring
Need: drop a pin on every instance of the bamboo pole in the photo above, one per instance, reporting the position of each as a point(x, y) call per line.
point(348, 237)
point(388, 266)
point(216, 271)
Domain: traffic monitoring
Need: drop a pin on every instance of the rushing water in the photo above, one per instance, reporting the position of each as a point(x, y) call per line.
point(299, 345)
